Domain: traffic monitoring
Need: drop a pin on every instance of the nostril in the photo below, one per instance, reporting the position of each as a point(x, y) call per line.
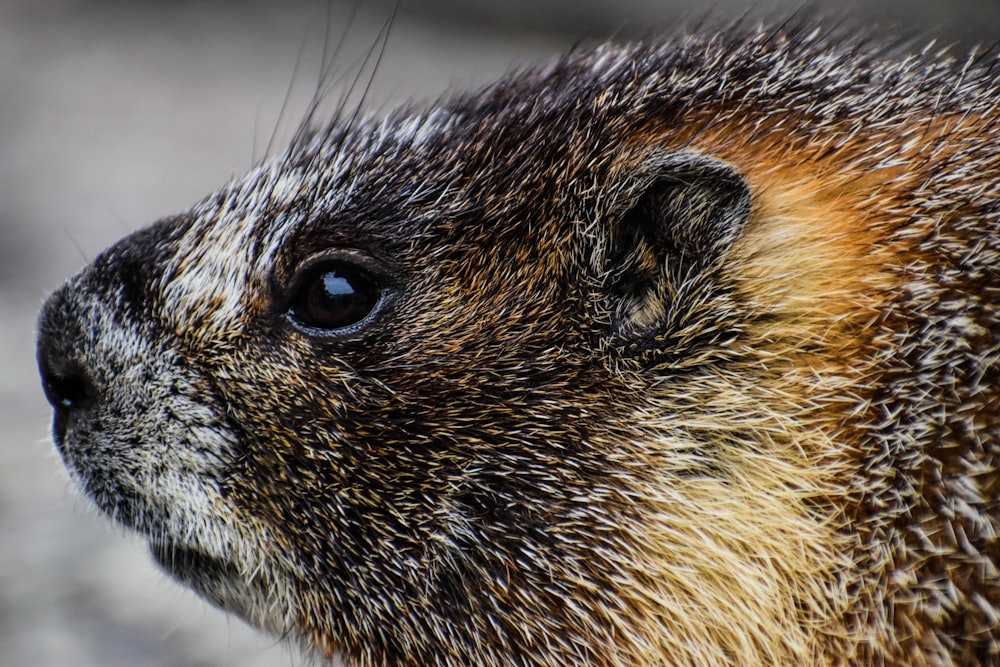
point(69, 377)
point(68, 389)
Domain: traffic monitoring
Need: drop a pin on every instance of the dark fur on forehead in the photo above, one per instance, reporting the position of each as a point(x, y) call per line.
point(575, 113)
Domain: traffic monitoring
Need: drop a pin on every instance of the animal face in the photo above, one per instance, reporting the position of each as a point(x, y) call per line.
point(580, 369)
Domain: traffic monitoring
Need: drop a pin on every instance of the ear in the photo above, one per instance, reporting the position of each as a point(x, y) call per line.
point(672, 232)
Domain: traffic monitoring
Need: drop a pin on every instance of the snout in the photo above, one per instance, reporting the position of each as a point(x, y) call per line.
point(69, 379)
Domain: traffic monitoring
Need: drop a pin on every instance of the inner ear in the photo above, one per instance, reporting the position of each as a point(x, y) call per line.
point(681, 215)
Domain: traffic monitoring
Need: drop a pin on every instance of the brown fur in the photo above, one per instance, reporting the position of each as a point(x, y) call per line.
point(687, 353)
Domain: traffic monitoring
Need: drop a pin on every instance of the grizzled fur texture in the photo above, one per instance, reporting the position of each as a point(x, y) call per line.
point(683, 353)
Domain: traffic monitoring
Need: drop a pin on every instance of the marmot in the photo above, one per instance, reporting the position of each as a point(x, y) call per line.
point(681, 352)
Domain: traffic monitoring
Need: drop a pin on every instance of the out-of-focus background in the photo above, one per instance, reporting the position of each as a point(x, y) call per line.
point(114, 113)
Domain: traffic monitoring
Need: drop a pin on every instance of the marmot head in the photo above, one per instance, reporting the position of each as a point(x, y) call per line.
point(526, 378)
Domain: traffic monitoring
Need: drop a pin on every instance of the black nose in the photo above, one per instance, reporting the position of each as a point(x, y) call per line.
point(69, 388)
point(67, 382)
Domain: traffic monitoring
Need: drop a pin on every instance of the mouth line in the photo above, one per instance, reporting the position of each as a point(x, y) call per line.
point(191, 565)
point(223, 583)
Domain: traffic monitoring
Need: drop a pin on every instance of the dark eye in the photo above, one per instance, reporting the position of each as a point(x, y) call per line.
point(335, 296)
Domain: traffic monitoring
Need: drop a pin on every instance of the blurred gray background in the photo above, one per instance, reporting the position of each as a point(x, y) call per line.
point(114, 113)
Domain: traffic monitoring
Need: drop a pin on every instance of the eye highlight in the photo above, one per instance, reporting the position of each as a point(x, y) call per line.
point(334, 295)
